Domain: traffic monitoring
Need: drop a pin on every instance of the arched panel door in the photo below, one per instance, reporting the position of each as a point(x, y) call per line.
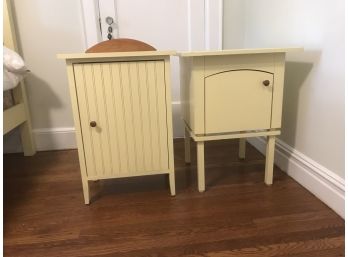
point(238, 100)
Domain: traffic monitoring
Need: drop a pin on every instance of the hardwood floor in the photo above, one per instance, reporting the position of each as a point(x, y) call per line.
point(44, 213)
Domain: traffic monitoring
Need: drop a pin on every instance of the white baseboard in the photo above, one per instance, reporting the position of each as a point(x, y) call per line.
point(47, 139)
point(55, 139)
point(320, 181)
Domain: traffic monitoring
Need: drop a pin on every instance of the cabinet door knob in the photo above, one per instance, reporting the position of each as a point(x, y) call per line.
point(266, 83)
point(93, 124)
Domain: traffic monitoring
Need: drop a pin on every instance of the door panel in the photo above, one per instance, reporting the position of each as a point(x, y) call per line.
point(238, 101)
point(127, 101)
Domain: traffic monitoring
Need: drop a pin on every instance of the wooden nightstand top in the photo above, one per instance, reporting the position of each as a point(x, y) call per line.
point(115, 54)
point(239, 51)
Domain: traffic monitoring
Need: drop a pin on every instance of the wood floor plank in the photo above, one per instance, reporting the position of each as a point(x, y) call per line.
point(279, 249)
point(44, 213)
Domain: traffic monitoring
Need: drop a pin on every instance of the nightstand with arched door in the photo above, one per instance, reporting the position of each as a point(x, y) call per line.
point(232, 94)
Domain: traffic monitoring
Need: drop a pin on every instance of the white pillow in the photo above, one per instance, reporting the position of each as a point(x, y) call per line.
point(11, 79)
point(13, 62)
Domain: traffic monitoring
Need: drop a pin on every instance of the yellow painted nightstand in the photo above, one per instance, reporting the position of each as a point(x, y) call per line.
point(123, 115)
point(232, 94)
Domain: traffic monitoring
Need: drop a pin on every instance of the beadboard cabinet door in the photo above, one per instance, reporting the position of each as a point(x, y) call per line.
point(122, 108)
point(238, 100)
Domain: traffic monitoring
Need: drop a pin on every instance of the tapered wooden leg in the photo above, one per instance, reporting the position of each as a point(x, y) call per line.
point(85, 190)
point(200, 166)
point(242, 144)
point(172, 183)
point(269, 160)
point(187, 146)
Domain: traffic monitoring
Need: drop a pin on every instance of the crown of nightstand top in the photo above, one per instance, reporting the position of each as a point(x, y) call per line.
point(239, 51)
point(117, 56)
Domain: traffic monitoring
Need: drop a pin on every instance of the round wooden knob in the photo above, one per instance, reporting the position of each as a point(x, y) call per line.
point(266, 83)
point(93, 124)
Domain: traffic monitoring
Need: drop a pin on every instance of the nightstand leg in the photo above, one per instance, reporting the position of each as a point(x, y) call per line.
point(172, 183)
point(85, 190)
point(242, 144)
point(200, 166)
point(269, 160)
point(187, 146)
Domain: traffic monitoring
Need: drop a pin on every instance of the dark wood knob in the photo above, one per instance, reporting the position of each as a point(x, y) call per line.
point(266, 83)
point(93, 124)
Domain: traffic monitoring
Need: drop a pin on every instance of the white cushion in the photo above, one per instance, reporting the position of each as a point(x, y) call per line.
point(13, 62)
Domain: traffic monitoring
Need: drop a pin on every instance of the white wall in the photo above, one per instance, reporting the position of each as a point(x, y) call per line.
point(311, 147)
point(313, 120)
point(313, 117)
point(44, 29)
point(234, 22)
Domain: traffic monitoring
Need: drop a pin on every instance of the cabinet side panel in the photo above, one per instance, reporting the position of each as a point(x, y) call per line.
point(154, 113)
point(161, 104)
point(277, 105)
point(85, 117)
point(185, 80)
point(192, 92)
point(197, 95)
point(168, 99)
point(76, 114)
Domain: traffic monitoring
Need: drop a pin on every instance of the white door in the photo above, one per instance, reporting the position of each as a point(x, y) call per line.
point(179, 25)
point(160, 23)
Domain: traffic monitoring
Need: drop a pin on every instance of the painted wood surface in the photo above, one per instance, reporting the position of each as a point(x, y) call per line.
point(238, 101)
point(223, 63)
point(242, 134)
point(169, 124)
point(239, 51)
point(123, 117)
point(233, 94)
point(127, 102)
point(78, 133)
point(114, 55)
point(20, 115)
point(10, 40)
point(269, 160)
point(278, 89)
point(242, 148)
point(13, 116)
